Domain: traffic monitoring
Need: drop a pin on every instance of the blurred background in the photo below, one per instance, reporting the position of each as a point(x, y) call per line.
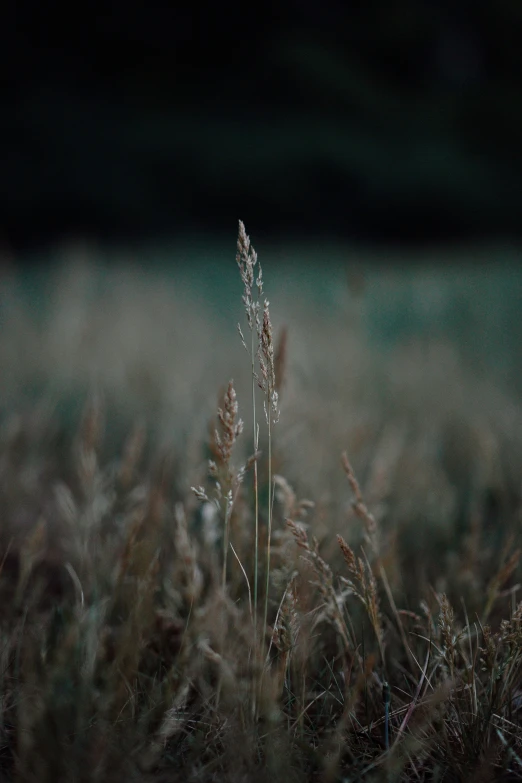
point(389, 122)
point(372, 150)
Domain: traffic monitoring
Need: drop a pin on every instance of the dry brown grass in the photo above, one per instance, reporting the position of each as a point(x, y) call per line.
point(294, 618)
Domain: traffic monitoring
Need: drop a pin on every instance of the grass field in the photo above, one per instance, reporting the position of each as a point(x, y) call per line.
point(327, 591)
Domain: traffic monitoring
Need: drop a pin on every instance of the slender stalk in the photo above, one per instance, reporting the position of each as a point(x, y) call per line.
point(225, 543)
point(255, 683)
point(267, 585)
point(256, 490)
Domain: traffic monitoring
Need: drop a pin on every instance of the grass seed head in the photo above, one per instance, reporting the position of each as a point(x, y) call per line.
point(230, 425)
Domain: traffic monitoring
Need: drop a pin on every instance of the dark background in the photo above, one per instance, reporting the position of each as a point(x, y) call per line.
point(388, 121)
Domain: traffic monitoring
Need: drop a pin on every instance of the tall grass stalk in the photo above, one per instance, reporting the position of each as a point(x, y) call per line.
point(267, 383)
point(246, 258)
point(269, 533)
point(256, 487)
